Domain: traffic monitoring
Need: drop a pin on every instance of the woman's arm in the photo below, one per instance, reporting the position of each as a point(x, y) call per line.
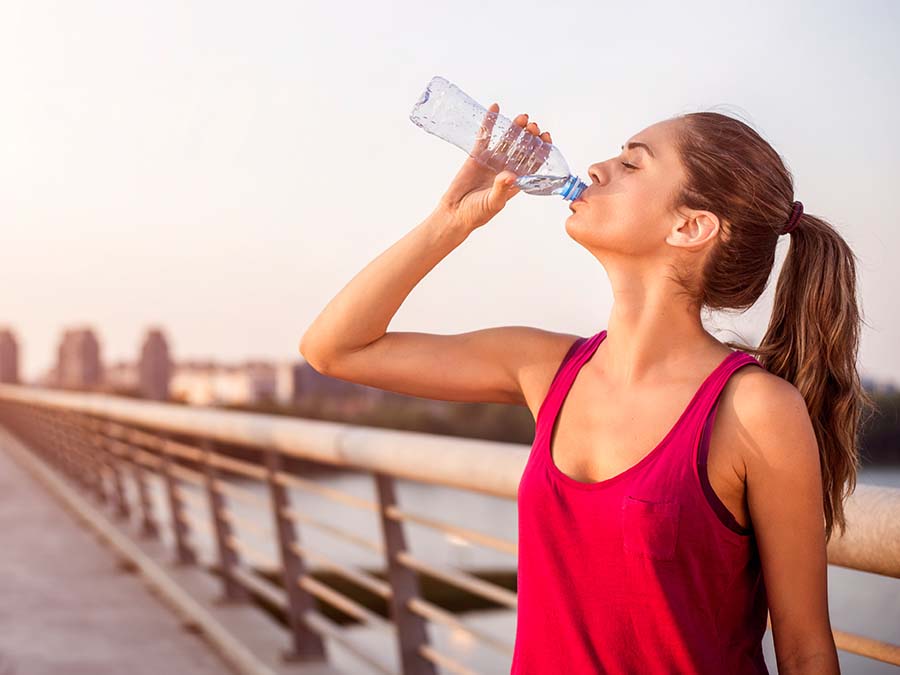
point(362, 311)
point(505, 364)
point(508, 364)
point(784, 495)
point(360, 314)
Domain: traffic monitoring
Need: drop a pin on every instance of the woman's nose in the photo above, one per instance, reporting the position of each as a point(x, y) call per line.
point(598, 172)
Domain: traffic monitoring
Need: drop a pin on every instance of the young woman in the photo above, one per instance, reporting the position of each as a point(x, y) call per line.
point(673, 497)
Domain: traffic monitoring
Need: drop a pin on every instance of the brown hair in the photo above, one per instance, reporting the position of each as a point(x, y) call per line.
point(813, 334)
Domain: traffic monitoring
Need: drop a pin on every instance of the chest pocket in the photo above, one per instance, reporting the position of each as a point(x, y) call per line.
point(649, 527)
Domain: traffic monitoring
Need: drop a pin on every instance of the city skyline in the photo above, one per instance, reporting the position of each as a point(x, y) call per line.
point(156, 345)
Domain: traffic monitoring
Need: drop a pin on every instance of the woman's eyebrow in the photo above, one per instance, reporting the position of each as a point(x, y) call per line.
point(638, 144)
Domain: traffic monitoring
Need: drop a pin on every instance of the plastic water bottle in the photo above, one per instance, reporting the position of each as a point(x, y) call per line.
point(446, 111)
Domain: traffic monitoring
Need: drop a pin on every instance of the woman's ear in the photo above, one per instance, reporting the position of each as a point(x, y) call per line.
point(695, 229)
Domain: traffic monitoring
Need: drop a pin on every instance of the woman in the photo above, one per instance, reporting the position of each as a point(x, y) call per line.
point(676, 497)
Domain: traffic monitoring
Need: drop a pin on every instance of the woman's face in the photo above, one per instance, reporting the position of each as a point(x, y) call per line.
point(628, 207)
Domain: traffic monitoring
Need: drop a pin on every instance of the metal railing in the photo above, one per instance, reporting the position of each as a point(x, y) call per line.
point(125, 451)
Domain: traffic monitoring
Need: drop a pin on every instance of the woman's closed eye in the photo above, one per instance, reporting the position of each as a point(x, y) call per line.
point(629, 166)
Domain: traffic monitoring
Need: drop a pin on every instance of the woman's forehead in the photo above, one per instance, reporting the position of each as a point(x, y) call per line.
point(659, 137)
point(659, 133)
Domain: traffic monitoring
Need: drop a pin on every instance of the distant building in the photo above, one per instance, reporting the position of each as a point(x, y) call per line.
point(192, 383)
point(121, 377)
point(309, 382)
point(154, 367)
point(204, 383)
point(284, 382)
point(261, 381)
point(78, 362)
point(253, 382)
point(351, 398)
point(9, 357)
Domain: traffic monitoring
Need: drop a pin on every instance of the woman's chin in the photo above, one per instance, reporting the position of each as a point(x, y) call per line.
point(573, 227)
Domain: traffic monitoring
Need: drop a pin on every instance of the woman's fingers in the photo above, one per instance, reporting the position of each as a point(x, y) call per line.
point(532, 127)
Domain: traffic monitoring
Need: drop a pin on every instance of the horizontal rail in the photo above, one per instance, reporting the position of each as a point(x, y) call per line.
point(434, 613)
point(874, 649)
point(241, 494)
point(262, 587)
point(242, 521)
point(322, 625)
point(333, 530)
point(461, 579)
point(496, 543)
point(364, 579)
point(489, 467)
point(436, 657)
point(872, 540)
point(251, 553)
point(335, 495)
point(345, 604)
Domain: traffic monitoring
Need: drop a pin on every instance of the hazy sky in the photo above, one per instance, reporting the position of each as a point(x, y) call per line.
point(223, 169)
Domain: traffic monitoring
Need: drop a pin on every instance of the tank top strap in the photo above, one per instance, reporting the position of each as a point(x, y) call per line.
point(708, 401)
point(581, 350)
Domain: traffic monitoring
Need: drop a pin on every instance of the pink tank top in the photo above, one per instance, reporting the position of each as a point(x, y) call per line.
point(645, 572)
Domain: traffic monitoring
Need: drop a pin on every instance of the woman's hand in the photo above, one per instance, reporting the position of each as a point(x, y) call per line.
point(479, 192)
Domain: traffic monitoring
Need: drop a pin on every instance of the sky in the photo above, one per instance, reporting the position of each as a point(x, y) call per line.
point(223, 169)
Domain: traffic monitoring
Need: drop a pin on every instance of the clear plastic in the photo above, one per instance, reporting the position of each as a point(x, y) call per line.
point(449, 113)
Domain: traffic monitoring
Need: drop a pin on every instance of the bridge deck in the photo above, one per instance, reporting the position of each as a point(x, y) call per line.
point(68, 605)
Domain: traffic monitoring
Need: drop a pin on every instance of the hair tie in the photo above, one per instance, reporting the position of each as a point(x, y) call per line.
point(796, 212)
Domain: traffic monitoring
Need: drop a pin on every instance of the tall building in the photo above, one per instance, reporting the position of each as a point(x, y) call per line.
point(78, 365)
point(155, 366)
point(9, 357)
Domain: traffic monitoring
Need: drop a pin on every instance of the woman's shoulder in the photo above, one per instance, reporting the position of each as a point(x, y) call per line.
point(756, 391)
point(757, 407)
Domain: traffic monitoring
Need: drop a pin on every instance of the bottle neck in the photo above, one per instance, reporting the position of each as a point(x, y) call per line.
point(573, 188)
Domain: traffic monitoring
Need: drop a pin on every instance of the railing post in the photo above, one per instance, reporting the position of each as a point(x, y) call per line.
point(411, 629)
point(228, 557)
point(149, 527)
point(84, 465)
point(66, 448)
point(56, 442)
point(93, 453)
point(306, 645)
point(63, 446)
point(123, 509)
point(184, 554)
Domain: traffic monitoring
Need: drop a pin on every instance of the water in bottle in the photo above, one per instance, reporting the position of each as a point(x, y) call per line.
point(446, 111)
